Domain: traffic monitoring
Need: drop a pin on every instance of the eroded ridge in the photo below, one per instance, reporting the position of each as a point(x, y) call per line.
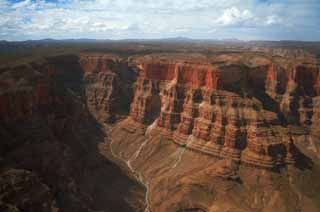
point(240, 109)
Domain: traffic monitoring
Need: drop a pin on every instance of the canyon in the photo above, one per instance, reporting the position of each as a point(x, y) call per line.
point(230, 131)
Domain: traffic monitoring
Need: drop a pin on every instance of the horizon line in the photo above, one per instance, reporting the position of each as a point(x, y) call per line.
point(165, 38)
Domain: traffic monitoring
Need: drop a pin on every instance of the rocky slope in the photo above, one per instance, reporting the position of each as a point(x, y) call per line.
point(221, 133)
point(231, 131)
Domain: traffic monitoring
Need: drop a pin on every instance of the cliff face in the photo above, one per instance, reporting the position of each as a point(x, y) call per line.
point(240, 110)
point(108, 86)
point(196, 129)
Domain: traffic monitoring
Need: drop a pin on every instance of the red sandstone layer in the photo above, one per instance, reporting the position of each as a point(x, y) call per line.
point(236, 109)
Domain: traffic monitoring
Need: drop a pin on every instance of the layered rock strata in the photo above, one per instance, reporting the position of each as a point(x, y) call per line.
point(233, 117)
point(234, 109)
point(108, 85)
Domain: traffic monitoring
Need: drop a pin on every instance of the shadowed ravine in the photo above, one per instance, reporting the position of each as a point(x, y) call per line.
point(132, 172)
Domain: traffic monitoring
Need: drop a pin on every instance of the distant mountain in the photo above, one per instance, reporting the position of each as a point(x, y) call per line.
point(14, 46)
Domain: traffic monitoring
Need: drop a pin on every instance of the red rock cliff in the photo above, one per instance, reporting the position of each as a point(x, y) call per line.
point(239, 109)
point(108, 85)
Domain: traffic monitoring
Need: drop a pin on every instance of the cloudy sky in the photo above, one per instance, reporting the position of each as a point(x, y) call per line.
point(120, 19)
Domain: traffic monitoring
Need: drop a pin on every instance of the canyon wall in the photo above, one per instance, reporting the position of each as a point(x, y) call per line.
point(230, 133)
point(108, 85)
point(241, 110)
point(53, 149)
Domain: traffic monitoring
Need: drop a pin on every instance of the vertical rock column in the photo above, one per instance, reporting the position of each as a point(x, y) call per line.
point(172, 98)
point(234, 139)
point(146, 102)
point(172, 101)
point(208, 129)
point(271, 81)
point(217, 131)
point(203, 124)
point(289, 102)
point(190, 112)
point(257, 152)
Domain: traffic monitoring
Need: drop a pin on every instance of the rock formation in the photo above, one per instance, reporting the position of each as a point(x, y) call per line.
point(108, 85)
point(53, 154)
point(237, 110)
point(229, 131)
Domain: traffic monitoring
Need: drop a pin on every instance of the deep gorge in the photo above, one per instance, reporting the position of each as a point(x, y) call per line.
point(162, 132)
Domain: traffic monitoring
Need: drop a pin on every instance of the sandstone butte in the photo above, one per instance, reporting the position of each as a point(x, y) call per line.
point(229, 132)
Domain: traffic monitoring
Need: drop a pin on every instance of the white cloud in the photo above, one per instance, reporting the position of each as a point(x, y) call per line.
point(148, 18)
point(233, 15)
point(273, 19)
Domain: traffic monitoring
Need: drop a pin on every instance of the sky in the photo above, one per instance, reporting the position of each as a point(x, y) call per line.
point(123, 19)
